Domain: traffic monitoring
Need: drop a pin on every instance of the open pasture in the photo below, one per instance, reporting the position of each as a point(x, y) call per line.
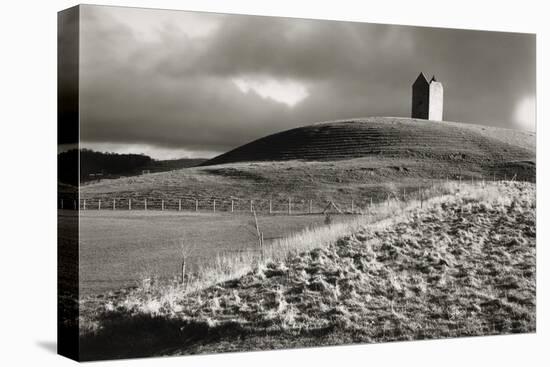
point(121, 248)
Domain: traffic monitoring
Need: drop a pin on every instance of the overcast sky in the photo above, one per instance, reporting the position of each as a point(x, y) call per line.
point(174, 84)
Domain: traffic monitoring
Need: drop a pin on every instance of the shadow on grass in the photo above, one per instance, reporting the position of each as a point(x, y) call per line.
point(123, 335)
point(133, 336)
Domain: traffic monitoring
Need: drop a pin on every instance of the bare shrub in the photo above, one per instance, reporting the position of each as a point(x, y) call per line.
point(186, 250)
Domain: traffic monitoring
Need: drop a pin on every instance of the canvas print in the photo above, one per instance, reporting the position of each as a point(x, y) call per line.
point(233, 183)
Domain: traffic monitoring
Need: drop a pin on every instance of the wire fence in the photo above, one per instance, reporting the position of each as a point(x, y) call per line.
point(270, 204)
point(292, 205)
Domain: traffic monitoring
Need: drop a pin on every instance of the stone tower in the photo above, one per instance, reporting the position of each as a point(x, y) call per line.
point(427, 99)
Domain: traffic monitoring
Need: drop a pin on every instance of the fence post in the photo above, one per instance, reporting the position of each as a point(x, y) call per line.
point(388, 200)
point(84, 204)
point(251, 205)
point(231, 205)
point(310, 206)
point(289, 206)
point(179, 205)
point(61, 203)
point(74, 204)
point(270, 207)
point(352, 205)
point(129, 204)
point(214, 208)
point(99, 205)
point(371, 201)
point(145, 204)
point(114, 204)
point(162, 204)
point(196, 205)
point(404, 194)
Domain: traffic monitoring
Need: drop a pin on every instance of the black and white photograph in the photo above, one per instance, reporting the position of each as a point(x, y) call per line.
point(236, 183)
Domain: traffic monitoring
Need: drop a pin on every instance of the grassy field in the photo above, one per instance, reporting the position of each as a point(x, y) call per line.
point(121, 248)
point(360, 180)
point(462, 265)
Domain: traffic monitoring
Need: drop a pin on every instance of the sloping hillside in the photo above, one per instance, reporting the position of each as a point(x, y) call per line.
point(339, 161)
point(463, 266)
point(388, 137)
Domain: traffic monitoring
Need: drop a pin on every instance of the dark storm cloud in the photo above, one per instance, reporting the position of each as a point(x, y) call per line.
point(164, 86)
point(302, 49)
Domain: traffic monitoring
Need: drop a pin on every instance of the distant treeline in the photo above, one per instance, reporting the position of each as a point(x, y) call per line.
point(97, 165)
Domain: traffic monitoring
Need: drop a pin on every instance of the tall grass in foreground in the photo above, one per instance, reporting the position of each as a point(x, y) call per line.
point(227, 266)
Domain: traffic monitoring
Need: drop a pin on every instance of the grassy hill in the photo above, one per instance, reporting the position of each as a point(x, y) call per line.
point(340, 161)
point(387, 137)
point(462, 265)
